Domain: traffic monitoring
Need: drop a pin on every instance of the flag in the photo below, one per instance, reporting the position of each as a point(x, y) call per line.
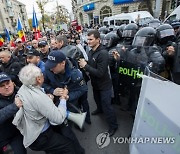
point(1, 41)
point(9, 38)
point(7, 35)
point(20, 31)
point(35, 26)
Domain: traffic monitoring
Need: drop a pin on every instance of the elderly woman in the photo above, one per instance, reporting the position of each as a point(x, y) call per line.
point(33, 119)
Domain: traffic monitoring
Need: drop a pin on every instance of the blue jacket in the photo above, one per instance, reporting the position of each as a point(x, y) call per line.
point(41, 65)
point(72, 78)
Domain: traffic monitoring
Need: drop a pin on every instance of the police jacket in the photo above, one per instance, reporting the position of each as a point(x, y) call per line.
point(7, 111)
point(12, 68)
point(72, 78)
point(97, 67)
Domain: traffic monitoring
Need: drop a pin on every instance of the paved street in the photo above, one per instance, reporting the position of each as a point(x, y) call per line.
point(88, 138)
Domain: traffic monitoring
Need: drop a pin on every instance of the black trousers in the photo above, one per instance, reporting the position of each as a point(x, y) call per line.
point(66, 131)
point(85, 105)
point(53, 143)
point(103, 102)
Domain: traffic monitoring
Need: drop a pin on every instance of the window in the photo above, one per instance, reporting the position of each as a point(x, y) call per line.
point(7, 20)
point(125, 9)
point(105, 12)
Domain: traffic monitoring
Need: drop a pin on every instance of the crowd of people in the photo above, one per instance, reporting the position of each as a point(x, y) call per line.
point(42, 81)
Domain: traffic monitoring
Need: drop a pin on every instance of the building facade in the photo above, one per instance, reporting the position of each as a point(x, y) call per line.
point(10, 10)
point(92, 12)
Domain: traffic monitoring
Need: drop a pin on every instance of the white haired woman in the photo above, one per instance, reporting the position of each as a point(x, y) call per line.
point(33, 119)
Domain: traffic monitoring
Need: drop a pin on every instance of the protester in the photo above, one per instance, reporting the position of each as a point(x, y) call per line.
point(11, 65)
point(34, 119)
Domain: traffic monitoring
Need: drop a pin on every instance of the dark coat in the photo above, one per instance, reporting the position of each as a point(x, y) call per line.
point(12, 68)
point(7, 111)
point(98, 68)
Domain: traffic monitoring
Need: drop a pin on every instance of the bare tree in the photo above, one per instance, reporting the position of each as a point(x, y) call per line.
point(62, 14)
point(149, 6)
point(41, 4)
point(163, 10)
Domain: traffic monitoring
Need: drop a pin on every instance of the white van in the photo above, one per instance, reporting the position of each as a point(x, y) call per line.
point(175, 15)
point(125, 18)
point(108, 21)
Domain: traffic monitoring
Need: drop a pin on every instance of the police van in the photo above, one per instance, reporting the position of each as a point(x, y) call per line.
point(142, 17)
point(175, 15)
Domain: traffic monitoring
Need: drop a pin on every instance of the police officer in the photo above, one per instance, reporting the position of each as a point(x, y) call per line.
point(154, 23)
point(165, 39)
point(176, 25)
point(129, 33)
point(110, 42)
point(103, 30)
point(74, 54)
point(9, 134)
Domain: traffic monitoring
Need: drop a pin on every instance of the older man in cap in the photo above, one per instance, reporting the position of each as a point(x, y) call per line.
point(8, 132)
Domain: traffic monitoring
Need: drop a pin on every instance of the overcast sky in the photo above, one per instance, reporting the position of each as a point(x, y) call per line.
point(50, 7)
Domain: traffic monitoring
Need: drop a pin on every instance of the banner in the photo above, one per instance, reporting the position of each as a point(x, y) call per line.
point(124, 1)
point(89, 7)
point(157, 120)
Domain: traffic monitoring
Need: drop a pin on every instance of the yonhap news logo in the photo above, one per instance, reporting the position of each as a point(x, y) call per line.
point(103, 140)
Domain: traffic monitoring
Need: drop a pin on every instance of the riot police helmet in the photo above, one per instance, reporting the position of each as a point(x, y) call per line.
point(110, 40)
point(144, 37)
point(102, 38)
point(120, 30)
point(165, 33)
point(103, 30)
point(154, 23)
point(175, 24)
point(130, 30)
